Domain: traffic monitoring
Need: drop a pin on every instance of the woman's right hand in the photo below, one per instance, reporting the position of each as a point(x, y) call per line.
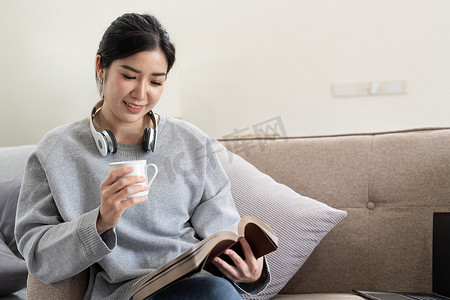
point(113, 190)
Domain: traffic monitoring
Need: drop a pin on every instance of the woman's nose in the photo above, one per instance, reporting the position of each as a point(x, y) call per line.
point(140, 91)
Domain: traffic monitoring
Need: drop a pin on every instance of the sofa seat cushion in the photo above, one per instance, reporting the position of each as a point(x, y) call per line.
point(299, 222)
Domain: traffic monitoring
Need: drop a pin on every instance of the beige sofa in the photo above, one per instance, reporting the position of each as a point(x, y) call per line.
point(389, 183)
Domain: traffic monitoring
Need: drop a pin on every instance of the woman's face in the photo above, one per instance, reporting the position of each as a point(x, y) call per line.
point(132, 86)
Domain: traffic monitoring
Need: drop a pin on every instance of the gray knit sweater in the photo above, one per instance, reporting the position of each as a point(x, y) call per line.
point(60, 197)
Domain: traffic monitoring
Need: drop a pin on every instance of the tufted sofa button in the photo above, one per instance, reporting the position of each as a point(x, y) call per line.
point(370, 205)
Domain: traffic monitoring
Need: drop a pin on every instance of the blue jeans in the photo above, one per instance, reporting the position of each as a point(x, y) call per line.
point(199, 288)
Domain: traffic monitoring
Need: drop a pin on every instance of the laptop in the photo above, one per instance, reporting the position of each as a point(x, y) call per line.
point(441, 267)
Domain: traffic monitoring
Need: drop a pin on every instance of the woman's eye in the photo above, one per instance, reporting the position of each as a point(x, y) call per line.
point(128, 77)
point(156, 83)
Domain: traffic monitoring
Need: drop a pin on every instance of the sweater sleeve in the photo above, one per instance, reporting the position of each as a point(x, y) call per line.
point(217, 211)
point(55, 249)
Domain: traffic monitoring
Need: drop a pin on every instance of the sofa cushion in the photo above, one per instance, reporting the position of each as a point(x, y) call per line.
point(300, 222)
point(13, 160)
point(13, 271)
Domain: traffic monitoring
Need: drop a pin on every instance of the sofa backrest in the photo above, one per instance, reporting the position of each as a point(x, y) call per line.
point(389, 183)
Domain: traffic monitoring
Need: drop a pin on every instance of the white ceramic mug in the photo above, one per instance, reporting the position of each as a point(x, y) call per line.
point(140, 168)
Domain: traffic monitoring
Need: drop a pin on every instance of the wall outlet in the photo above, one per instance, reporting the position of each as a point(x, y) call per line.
point(371, 88)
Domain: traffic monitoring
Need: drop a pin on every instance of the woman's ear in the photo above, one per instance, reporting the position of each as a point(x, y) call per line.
point(98, 67)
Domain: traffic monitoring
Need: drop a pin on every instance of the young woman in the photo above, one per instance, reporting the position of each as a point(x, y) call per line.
point(71, 213)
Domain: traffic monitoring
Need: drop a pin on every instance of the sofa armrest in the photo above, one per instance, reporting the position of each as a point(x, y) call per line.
point(70, 289)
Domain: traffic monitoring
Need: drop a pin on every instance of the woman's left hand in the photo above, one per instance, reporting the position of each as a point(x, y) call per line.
point(244, 270)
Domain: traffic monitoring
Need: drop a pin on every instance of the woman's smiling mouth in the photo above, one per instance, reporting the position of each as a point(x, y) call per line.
point(133, 108)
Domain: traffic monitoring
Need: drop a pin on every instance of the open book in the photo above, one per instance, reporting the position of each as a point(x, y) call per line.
point(260, 237)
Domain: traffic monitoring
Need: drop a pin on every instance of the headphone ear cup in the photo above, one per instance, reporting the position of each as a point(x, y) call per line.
point(101, 143)
point(146, 140)
point(112, 142)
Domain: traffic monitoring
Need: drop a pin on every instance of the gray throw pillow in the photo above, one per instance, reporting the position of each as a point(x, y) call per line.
point(299, 222)
point(13, 270)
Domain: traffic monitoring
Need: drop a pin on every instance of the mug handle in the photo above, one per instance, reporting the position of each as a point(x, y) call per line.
point(149, 182)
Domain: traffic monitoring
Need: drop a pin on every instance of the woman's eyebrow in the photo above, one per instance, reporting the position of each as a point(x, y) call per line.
point(138, 71)
point(130, 68)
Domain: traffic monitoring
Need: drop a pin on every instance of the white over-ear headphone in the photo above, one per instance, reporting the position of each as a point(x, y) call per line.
point(107, 143)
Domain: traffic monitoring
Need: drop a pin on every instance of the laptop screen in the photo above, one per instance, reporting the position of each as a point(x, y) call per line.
point(441, 253)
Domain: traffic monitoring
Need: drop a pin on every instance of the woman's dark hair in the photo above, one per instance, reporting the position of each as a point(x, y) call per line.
point(132, 33)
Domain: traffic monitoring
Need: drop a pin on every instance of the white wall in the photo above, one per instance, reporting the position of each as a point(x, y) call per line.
point(240, 63)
